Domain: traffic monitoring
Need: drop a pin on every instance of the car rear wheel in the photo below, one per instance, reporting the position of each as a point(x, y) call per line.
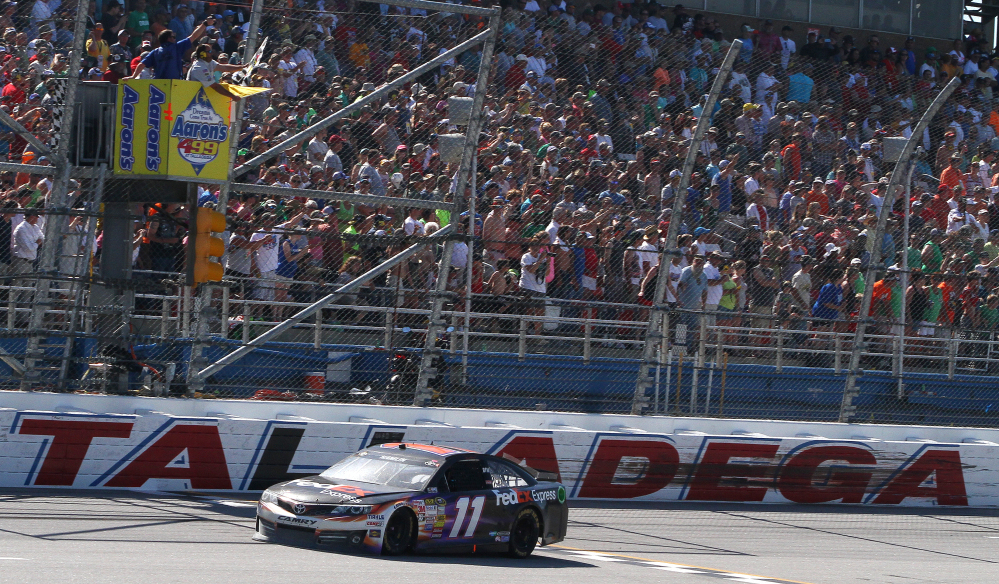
point(400, 533)
point(524, 533)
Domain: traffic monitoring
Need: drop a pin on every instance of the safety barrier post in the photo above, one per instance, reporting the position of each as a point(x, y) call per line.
point(57, 211)
point(423, 394)
point(203, 312)
point(641, 401)
point(847, 409)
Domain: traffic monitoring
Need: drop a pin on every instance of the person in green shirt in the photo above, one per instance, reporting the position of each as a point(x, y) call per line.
point(932, 255)
point(138, 22)
point(934, 305)
point(989, 314)
point(858, 284)
point(536, 225)
point(443, 215)
point(355, 248)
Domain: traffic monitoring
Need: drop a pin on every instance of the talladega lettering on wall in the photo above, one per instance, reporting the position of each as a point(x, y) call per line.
point(155, 451)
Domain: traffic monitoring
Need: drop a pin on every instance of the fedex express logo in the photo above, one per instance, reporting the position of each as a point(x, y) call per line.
point(526, 496)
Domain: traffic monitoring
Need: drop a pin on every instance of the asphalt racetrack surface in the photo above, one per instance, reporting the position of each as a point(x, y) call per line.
point(124, 537)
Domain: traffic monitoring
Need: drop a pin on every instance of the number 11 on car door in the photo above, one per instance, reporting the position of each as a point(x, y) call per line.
point(468, 510)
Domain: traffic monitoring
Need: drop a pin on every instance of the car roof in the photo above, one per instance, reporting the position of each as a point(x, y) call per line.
point(423, 450)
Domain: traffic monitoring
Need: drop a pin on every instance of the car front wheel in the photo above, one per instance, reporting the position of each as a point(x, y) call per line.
point(524, 533)
point(400, 533)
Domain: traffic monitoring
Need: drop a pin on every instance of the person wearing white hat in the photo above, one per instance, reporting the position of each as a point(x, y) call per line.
point(670, 189)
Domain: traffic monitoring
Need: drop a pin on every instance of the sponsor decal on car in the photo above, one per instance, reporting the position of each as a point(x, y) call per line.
point(392, 458)
point(374, 523)
point(508, 498)
point(374, 533)
point(439, 523)
point(548, 495)
point(514, 497)
point(376, 517)
point(431, 489)
point(341, 497)
point(309, 484)
point(304, 521)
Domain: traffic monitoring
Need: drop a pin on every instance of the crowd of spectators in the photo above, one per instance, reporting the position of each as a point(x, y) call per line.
point(589, 113)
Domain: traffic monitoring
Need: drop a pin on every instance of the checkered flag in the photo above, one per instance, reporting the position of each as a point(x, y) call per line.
point(58, 92)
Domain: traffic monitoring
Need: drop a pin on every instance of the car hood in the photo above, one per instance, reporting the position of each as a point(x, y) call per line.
point(316, 489)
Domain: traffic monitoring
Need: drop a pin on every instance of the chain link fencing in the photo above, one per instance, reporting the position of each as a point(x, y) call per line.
point(557, 242)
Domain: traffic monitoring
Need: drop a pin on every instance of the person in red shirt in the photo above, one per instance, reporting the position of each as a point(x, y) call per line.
point(116, 70)
point(516, 76)
point(145, 47)
point(791, 157)
point(950, 299)
point(939, 208)
point(14, 93)
point(818, 195)
point(767, 41)
point(881, 296)
point(952, 175)
point(969, 299)
point(590, 151)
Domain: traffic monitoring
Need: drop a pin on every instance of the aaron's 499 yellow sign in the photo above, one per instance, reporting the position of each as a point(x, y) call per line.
point(171, 129)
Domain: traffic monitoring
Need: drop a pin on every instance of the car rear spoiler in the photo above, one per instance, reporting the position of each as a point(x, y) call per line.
point(539, 475)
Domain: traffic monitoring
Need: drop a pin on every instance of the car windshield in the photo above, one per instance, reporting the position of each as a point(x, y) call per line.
point(392, 471)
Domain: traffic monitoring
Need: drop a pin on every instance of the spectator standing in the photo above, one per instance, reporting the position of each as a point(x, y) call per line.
point(167, 60)
point(691, 290)
point(787, 46)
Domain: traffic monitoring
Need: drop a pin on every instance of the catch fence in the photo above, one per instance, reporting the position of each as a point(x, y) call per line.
point(462, 206)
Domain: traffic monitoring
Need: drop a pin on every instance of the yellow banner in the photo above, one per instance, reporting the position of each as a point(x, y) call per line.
point(175, 129)
point(242, 91)
point(199, 132)
point(139, 130)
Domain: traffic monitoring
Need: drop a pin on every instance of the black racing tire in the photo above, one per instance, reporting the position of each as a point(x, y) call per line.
point(524, 533)
point(399, 534)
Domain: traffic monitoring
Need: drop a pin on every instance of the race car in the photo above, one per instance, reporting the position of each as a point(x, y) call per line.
point(397, 497)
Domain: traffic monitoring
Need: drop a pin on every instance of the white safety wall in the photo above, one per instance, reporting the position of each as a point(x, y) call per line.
point(87, 448)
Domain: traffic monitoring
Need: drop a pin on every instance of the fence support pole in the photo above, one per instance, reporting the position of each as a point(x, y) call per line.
point(905, 276)
point(204, 300)
point(57, 207)
point(847, 409)
point(641, 401)
point(423, 394)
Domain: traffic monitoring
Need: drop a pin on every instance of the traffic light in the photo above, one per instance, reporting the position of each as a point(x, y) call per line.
point(202, 247)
